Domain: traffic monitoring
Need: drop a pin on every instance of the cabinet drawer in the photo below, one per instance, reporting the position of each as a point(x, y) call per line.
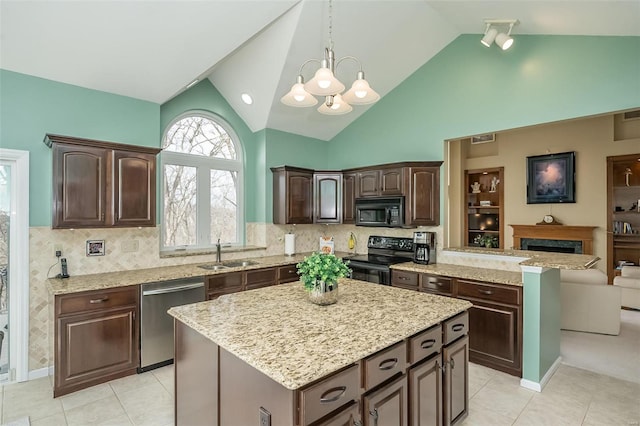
point(404, 279)
point(425, 344)
point(491, 292)
point(261, 278)
point(95, 300)
point(287, 274)
point(436, 284)
point(455, 327)
point(384, 365)
point(331, 393)
point(231, 281)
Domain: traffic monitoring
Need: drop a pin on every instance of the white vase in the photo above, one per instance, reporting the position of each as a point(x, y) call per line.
point(324, 293)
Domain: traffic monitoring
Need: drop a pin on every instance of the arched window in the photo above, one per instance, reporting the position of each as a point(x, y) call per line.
point(202, 183)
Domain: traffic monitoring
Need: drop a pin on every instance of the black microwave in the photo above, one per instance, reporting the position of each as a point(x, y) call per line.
point(388, 211)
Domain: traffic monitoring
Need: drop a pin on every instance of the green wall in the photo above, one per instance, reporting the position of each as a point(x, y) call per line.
point(468, 89)
point(30, 107)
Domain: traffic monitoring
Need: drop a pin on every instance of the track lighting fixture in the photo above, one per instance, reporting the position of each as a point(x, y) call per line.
point(491, 34)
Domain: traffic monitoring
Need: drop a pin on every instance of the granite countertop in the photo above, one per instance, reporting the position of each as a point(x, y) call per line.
point(537, 258)
point(78, 283)
point(468, 272)
point(280, 333)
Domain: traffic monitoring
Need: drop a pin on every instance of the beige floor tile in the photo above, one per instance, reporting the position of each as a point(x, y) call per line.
point(552, 410)
point(608, 409)
point(106, 411)
point(135, 381)
point(56, 420)
point(479, 416)
point(478, 377)
point(33, 398)
point(165, 377)
point(85, 396)
point(148, 405)
point(507, 401)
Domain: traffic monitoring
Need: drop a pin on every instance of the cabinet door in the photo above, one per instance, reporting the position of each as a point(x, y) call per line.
point(134, 189)
point(79, 186)
point(391, 181)
point(388, 405)
point(404, 279)
point(95, 347)
point(349, 198)
point(299, 197)
point(436, 284)
point(347, 417)
point(456, 381)
point(425, 393)
point(287, 274)
point(258, 278)
point(368, 183)
point(327, 195)
point(423, 201)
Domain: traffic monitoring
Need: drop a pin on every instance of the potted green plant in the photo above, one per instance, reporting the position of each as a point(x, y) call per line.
point(319, 273)
point(487, 240)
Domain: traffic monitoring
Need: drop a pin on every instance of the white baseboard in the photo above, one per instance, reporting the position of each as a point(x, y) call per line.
point(41, 372)
point(528, 384)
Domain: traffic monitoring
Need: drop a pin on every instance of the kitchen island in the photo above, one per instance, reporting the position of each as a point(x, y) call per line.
point(271, 351)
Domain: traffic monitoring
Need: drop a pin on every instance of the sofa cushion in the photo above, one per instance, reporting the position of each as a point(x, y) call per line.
point(630, 272)
point(583, 276)
point(627, 282)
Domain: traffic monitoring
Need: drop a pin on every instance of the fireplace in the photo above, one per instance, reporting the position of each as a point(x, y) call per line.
point(554, 238)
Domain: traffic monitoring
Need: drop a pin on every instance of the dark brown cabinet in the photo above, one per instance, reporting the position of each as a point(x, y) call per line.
point(456, 381)
point(368, 183)
point(426, 393)
point(436, 284)
point(96, 338)
point(405, 279)
point(327, 197)
point(292, 195)
point(387, 405)
point(102, 184)
point(349, 189)
point(380, 182)
point(287, 274)
point(422, 203)
point(235, 281)
point(495, 324)
point(260, 278)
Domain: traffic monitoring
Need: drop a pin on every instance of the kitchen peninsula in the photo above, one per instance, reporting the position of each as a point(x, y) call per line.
point(268, 356)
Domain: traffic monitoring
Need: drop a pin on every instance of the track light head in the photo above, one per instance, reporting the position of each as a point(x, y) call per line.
point(502, 39)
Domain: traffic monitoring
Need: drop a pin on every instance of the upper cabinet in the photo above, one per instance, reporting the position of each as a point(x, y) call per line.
point(422, 199)
point(327, 196)
point(292, 195)
point(380, 182)
point(349, 189)
point(102, 184)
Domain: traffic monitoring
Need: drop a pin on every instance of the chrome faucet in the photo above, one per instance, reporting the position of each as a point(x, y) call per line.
point(218, 252)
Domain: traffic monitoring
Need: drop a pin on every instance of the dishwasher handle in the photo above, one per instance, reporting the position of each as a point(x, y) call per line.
point(172, 289)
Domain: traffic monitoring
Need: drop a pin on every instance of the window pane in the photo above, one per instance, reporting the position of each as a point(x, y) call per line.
point(224, 206)
point(179, 205)
point(200, 136)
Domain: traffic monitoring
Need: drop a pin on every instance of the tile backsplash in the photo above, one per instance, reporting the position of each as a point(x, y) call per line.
point(138, 248)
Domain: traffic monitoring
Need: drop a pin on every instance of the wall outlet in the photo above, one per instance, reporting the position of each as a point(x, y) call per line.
point(265, 417)
point(57, 248)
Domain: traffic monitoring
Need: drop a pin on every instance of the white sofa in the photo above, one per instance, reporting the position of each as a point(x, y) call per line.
point(588, 303)
point(629, 284)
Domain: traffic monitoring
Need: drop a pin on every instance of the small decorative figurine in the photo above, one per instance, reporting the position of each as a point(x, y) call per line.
point(494, 184)
point(475, 188)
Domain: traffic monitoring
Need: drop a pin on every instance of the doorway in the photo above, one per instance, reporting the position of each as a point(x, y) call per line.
point(14, 265)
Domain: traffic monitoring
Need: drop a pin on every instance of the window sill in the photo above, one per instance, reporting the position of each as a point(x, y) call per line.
point(199, 252)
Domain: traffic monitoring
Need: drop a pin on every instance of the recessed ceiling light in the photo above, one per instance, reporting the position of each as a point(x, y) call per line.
point(247, 99)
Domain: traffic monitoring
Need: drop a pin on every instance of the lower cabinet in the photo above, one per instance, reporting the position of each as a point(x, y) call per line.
point(349, 416)
point(387, 405)
point(456, 380)
point(425, 393)
point(96, 338)
point(233, 282)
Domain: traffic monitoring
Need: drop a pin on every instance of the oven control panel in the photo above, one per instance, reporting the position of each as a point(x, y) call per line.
point(390, 243)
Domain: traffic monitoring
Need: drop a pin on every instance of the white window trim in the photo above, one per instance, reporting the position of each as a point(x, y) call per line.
point(19, 265)
point(205, 163)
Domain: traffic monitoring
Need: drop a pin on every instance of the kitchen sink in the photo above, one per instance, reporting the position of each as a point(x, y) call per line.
point(236, 263)
point(213, 266)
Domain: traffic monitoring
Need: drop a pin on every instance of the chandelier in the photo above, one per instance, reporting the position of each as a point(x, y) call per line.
point(325, 84)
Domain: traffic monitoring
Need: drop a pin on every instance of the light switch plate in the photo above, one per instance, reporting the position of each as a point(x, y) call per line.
point(265, 417)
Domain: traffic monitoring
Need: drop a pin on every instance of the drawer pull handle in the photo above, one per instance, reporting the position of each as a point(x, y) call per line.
point(339, 391)
point(457, 327)
point(101, 300)
point(487, 292)
point(452, 363)
point(428, 343)
point(403, 278)
point(291, 271)
point(388, 364)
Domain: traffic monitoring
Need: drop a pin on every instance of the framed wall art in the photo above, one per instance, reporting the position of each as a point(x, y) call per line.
point(551, 178)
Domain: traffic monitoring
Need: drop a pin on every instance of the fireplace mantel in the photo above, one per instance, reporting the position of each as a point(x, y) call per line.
point(555, 232)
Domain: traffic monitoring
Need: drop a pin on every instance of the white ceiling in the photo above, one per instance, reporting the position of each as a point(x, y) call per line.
point(151, 50)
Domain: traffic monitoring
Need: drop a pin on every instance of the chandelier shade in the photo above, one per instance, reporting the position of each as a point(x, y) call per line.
point(361, 93)
point(335, 106)
point(298, 96)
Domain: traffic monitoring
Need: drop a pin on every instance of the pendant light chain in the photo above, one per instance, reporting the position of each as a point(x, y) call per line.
point(331, 24)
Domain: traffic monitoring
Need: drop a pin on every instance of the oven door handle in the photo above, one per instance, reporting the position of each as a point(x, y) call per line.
point(370, 266)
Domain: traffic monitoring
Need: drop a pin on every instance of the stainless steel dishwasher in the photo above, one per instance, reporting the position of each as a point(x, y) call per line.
point(156, 326)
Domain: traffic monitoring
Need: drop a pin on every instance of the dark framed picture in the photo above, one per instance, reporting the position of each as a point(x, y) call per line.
point(95, 247)
point(551, 178)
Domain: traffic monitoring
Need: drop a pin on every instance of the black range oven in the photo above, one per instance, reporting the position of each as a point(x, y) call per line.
point(382, 252)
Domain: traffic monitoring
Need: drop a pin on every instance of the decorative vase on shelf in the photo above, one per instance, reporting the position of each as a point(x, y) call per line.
point(319, 273)
point(324, 293)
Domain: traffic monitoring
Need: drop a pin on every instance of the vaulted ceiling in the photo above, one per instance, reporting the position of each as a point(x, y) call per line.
point(151, 50)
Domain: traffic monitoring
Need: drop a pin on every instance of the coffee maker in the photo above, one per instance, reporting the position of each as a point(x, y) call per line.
point(424, 247)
